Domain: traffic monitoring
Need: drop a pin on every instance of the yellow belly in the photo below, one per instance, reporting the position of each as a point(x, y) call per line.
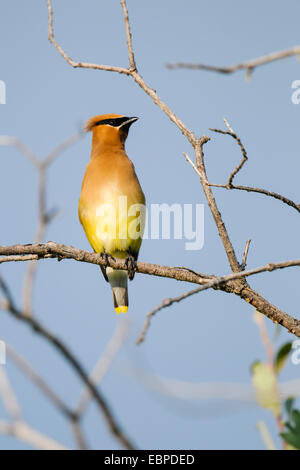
point(111, 228)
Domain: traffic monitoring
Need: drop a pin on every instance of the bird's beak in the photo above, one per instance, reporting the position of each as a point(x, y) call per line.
point(129, 121)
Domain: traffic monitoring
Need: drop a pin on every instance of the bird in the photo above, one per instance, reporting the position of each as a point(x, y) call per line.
point(112, 203)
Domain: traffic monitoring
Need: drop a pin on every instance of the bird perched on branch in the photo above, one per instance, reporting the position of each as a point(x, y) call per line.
point(112, 203)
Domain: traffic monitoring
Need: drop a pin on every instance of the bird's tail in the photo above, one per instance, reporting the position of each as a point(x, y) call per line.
point(118, 281)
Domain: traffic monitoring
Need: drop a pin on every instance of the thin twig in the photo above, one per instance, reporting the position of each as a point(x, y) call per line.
point(165, 303)
point(266, 341)
point(249, 65)
point(250, 189)
point(245, 255)
point(190, 161)
point(243, 150)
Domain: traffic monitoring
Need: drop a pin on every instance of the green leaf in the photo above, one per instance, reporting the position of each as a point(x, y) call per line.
point(292, 439)
point(296, 419)
point(288, 405)
point(293, 426)
point(265, 382)
point(282, 356)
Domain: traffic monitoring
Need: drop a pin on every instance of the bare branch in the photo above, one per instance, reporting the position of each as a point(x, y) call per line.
point(44, 217)
point(239, 287)
point(8, 259)
point(229, 184)
point(9, 397)
point(249, 65)
point(49, 393)
point(184, 390)
point(267, 343)
point(21, 147)
point(132, 71)
point(103, 364)
point(62, 147)
point(43, 250)
point(79, 436)
point(165, 303)
point(68, 59)
point(41, 384)
point(129, 37)
point(20, 430)
point(17, 427)
point(217, 283)
point(197, 143)
point(59, 345)
point(40, 233)
point(234, 264)
point(181, 274)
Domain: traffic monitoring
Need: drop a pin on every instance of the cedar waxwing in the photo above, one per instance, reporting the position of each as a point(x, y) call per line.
point(112, 203)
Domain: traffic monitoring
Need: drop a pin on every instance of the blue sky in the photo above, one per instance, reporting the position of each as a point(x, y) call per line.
point(210, 337)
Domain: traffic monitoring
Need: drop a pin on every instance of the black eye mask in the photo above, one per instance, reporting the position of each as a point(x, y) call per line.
point(115, 122)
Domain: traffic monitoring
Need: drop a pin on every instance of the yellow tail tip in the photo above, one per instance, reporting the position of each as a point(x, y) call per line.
point(122, 309)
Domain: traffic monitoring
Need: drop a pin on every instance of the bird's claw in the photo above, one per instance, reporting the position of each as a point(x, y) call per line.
point(106, 257)
point(131, 266)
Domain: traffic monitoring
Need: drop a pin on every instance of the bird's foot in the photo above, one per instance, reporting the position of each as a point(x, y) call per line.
point(131, 266)
point(106, 257)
